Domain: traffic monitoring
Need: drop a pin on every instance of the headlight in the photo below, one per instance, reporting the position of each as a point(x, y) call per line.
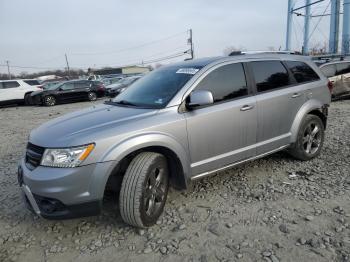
point(66, 157)
point(121, 89)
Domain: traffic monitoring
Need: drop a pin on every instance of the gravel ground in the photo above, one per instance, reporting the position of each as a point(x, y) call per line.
point(272, 209)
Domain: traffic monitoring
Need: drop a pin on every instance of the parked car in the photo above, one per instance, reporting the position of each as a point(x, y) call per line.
point(69, 91)
point(339, 74)
point(119, 87)
point(179, 123)
point(17, 91)
point(111, 80)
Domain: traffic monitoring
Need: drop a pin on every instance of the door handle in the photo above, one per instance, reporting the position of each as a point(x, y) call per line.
point(246, 107)
point(295, 95)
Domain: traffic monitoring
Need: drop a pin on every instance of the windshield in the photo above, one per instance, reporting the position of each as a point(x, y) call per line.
point(157, 88)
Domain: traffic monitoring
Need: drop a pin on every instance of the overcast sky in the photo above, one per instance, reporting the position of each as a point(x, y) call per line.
point(37, 33)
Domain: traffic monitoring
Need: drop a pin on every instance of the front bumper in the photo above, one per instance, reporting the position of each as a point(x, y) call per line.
point(59, 193)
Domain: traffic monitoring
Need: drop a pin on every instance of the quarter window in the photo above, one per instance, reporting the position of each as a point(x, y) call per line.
point(10, 84)
point(225, 83)
point(302, 72)
point(269, 75)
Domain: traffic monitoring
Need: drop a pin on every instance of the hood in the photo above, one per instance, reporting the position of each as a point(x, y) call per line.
point(39, 92)
point(83, 126)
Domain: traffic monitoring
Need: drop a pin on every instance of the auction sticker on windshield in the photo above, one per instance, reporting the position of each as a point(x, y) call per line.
point(189, 71)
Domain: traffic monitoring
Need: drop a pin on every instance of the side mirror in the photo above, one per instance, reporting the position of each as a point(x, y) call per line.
point(199, 98)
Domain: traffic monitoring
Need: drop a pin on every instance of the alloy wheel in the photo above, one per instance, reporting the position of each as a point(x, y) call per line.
point(312, 138)
point(155, 191)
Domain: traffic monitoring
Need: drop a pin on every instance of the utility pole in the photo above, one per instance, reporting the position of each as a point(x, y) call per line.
point(306, 27)
point(334, 27)
point(289, 24)
point(346, 28)
point(67, 65)
point(190, 42)
point(8, 68)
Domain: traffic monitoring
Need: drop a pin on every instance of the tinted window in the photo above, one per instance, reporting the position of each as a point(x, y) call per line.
point(67, 86)
point(328, 70)
point(269, 75)
point(226, 82)
point(81, 85)
point(343, 68)
point(302, 72)
point(10, 84)
point(32, 82)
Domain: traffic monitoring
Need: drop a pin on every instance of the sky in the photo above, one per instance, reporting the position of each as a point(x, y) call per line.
point(36, 34)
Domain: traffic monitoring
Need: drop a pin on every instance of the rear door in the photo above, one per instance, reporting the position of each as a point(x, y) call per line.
point(278, 98)
point(82, 89)
point(224, 132)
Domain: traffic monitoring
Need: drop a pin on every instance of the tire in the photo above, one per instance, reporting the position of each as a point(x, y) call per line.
point(92, 96)
point(309, 140)
point(146, 181)
point(27, 100)
point(49, 101)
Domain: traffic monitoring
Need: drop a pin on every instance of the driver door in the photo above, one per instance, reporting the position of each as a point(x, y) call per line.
point(225, 132)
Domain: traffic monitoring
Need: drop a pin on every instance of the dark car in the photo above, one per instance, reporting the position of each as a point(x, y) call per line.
point(115, 89)
point(69, 91)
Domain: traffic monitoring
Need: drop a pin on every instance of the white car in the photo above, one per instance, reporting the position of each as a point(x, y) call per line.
point(18, 90)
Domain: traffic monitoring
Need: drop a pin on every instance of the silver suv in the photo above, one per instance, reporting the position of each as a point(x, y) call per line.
point(179, 123)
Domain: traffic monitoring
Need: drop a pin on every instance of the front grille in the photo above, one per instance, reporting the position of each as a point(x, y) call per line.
point(33, 155)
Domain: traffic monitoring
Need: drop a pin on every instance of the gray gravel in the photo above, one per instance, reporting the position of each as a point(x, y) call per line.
point(272, 209)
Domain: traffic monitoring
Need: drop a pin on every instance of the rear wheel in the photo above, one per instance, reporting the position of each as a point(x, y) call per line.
point(49, 101)
point(310, 139)
point(92, 96)
point(144, 189)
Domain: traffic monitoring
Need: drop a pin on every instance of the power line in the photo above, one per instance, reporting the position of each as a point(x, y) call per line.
point(134, 47)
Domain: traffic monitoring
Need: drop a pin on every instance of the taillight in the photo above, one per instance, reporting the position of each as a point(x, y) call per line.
point(101, 87)
point(330, 86)
point(41, 86)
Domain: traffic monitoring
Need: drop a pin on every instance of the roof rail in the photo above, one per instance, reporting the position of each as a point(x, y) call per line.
point(233, 53)
point(329, 56)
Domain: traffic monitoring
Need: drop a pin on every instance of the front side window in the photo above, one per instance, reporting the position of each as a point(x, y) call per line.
point(67, 86)
point(225, 83)
point(302, 72)
point(328, 70)
point(10, 84)
point(343, 68)
point(269, 75)
point(156, 89)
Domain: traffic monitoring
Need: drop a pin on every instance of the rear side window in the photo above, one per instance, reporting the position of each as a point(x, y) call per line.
point(67, 86)
point(343, 68)
point(302, 72)
point(269, 75)
point(10, 84)
point(329, 70)
point(81, 84)
point(32, 82)
point(225, 83)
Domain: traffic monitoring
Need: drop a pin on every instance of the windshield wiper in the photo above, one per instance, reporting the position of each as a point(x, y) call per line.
point(121, 102)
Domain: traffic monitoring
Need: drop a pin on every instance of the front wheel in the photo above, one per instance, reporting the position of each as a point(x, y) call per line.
point(49, 101)
point(144, 189)
point(310, 139)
